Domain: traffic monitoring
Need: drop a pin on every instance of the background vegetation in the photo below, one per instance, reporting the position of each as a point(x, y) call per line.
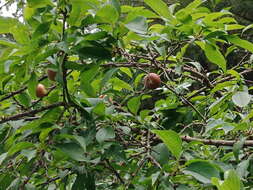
point(96, 125)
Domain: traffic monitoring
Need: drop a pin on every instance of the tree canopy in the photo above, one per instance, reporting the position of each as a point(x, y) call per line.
point(95, 94)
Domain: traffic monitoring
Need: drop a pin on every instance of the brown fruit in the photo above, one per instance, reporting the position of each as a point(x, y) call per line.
point(102, 96)
point(41, 91)
point(152, 81)
point(51, 74)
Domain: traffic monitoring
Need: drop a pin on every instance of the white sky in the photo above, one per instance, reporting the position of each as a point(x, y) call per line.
point(5, 12)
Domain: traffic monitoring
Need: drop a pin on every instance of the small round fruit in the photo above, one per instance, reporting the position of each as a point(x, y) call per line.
point(152, 81)
point(51, 74)
point(102, 96)
point(41, 91)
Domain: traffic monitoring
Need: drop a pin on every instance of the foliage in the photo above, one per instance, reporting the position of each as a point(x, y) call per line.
point(98, 127)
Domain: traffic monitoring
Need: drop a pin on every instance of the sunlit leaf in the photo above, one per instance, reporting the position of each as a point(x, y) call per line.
point(241, 99)
point(172, 140)
point(215, 56)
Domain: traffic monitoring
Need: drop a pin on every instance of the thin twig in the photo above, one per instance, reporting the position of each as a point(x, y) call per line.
point(5, 4)
point(30, 113)
point(114, 171)
point(241, 62)
point(37, 101)
point(49, 181)
point(186, 101)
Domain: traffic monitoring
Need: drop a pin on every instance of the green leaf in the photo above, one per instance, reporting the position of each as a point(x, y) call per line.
point(139, 11)
point(138, 25)
point(94, 101)
point(73, 65)
point(79, 10)
point(38, 3)
point(160, 7)
point(237, 147)
point(19, 146)
point(223, 85)
point(242, 168)
point(24, 99)
point(116, 4)
point(249, 116)
point(2, 157)
point(127, 71)
point(86, 77)
point(213, 17)
point(241, 99)
point(155, 177)
point(79, 183)
point(50, 116)
point(172, 140)
point(15, 184)
point(161, 153)
point(6, 24)
point(108, 75)
point(45, 132)
point(233, 27)
point(120, 84)
point(241, 43)
point(215, 34)
point(138, 79)
point(232, 181)
point(32, 83)
point(29, 154)
point(95, 52)
point(99, 109)
point(8, 43)
point(214, 107)
point(84, 181)
point(184, 15)
point(96, 36)
point(42, 29)
point(134, 104)
point(29, 12)
point(214, 55)
point(201, 170)
point(81, 141)
point(194, 4)
point(104, 134)
point(73, 150)
point(108, 14)
point(19, 31)
point(247, 28)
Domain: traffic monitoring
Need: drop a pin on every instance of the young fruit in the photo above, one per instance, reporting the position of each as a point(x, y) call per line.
point(51, 74)
point(152, 81)
point(41, 91)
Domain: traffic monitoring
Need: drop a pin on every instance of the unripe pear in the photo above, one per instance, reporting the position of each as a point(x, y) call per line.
point(41, 91)
point(51, 74)
point(152, 81)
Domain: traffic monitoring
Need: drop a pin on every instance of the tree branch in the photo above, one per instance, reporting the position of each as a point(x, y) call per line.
point(11, 94)
point(30, 113)
point(216, 142)
point(210, 142)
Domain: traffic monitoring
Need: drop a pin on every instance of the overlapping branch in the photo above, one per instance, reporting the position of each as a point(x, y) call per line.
point(216, 142)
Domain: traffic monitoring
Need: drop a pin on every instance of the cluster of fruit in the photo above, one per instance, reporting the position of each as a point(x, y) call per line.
point(151, 81)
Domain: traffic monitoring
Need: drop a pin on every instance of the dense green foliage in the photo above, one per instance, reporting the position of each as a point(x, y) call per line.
point(98, 127)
